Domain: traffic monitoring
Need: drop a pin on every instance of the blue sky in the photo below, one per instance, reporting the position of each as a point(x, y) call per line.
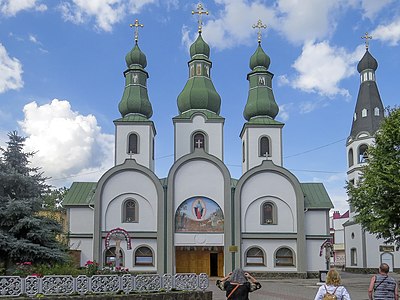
point(62, 63)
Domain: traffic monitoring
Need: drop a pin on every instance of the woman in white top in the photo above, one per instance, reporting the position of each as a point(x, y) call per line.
point(333, 286)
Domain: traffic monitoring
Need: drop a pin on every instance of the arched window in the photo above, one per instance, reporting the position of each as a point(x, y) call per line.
point(376, 111)
point(264, 147)
point(364, 113)
point(284, 257)
point(255, 256)
point(144, 256)
point(268, 213)
point(353, 256)
point(110, 258)
point(351, 157)
point(362, 153)
point(133, 144)
point(199, 141)
point(130, 211)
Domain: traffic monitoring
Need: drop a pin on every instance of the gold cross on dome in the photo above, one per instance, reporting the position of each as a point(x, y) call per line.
point(260, 26)
point(136, 25)
point(200, 11)
point(366, 37)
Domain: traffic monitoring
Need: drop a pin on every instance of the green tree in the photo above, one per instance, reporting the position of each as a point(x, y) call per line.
point(53, 198)
point(24, 235)
point(376, 197)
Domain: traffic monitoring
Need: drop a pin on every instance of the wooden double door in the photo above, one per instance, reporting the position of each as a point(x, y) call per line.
point(200, 260)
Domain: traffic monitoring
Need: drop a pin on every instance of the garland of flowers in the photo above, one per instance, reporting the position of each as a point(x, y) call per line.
point(118, 231)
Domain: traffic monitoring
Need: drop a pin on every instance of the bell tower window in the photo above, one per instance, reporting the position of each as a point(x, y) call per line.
point(133, 144)
point(199, 141)
point(362, 153)
point(265, 149)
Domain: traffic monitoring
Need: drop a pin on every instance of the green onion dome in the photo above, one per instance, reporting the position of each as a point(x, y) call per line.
point(259, 59)
point(199, 47)
point(136, 57)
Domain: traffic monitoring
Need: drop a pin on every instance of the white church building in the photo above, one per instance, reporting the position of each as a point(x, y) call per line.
point(364, 251)
point(199, 219)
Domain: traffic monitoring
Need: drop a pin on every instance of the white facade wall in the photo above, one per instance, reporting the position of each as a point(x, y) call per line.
point(145, 135)
point(213, 132)
point(198, 178)
point(126, 185)
point(85, 245)
point(354, 242)
point(81, 220)
point(269, 246)
point(268, 186)
point(251, 140)
point(313, 217)
point(315, 262)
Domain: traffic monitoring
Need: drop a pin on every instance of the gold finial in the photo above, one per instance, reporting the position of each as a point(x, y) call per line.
point(260, 26)
point(136, 25)
point(200, 12)
point(366, 37)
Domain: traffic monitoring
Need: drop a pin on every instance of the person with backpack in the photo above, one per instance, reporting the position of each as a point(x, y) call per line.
point(382, 286)
point(238, 284)
point(332, 289)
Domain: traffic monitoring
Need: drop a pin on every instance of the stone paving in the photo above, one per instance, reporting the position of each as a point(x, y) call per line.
point(302, 289)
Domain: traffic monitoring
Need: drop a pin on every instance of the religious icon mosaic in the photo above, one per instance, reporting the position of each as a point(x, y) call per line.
point(199, 214)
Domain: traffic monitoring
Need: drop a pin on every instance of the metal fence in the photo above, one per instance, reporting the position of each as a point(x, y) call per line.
point(13, 286)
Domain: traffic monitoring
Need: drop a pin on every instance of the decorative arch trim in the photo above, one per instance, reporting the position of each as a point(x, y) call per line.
point(118, 231)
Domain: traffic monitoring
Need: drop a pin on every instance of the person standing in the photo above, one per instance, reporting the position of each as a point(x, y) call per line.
point(382, 286)
point(238, 284)
point(332, 286)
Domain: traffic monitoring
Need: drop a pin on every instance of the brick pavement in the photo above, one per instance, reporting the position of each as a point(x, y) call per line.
point(302, 289)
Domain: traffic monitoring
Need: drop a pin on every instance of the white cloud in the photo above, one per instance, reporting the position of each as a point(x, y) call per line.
point(233, 25)
point(284, 112)
point(301, 20)
point(10, 72)
point(321, 67)
point(388, 33)
point(105, 12)
point(12, 7)
point(372, 7)
point(67, 143)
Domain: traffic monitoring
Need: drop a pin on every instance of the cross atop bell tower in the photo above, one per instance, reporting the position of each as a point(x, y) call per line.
point(366, 37)
point(200, 11)
point(136, 25)
point(260, 26)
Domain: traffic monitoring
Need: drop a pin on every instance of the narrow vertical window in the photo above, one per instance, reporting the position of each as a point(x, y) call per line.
point(353, 256)
point(243, 152)
point(376, 111)
point(198, 69)
point(199, 141)
point(133, 144)
point(130, 211)
point(364, 113)
point(268, 213)
point(351, 158)
point(264, 147)
point(362, 153)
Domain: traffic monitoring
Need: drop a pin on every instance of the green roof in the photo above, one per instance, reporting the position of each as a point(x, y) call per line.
point(80, 193)
point(189, 113)
point(262, 120)
point(133, 118)
point(315, 196)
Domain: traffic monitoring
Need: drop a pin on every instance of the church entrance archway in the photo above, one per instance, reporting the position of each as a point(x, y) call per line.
point(388, 259)
point(209, 260)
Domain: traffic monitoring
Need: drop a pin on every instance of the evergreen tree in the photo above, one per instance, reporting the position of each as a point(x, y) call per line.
point(24, 235)
point(376, 197)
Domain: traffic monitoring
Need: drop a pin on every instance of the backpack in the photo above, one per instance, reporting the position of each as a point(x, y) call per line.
point(329, 296)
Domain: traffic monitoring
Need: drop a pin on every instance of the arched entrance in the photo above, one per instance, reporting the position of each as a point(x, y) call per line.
point(387, 258)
